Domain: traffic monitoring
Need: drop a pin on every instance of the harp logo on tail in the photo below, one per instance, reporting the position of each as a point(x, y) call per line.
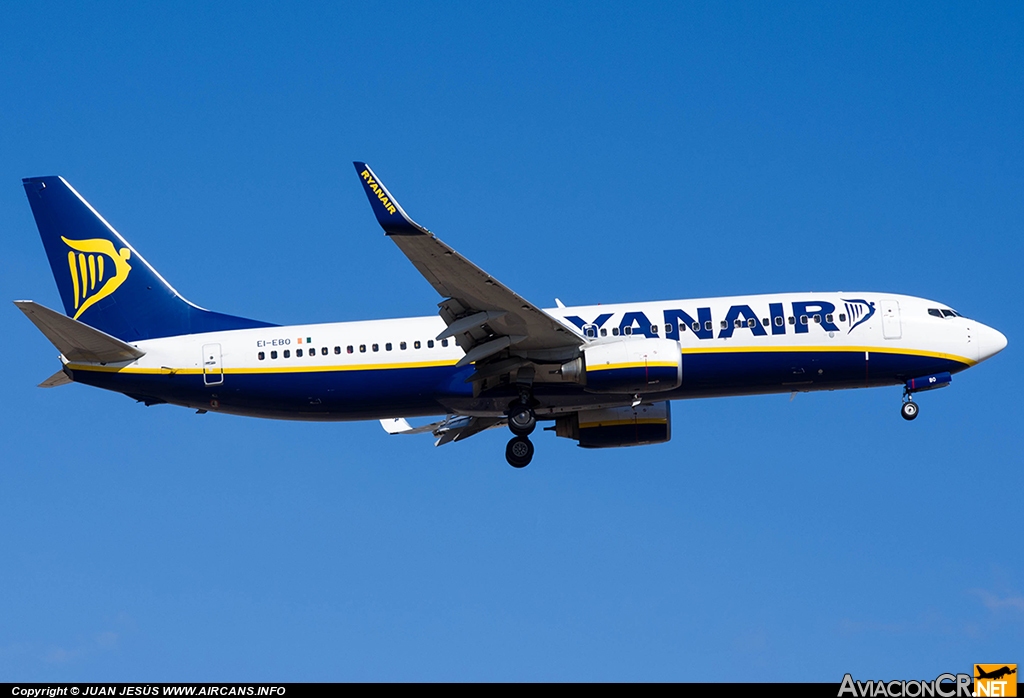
point(858, 311)
point(97, 270)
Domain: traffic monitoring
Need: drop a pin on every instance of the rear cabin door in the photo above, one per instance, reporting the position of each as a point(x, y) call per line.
point(891, 328)
point(213, 370)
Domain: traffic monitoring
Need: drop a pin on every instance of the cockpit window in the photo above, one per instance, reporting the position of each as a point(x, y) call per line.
point(943, 312)
point(948, 313)
point(934, 312)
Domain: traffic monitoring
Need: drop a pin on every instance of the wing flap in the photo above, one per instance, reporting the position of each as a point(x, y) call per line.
point(76, 340)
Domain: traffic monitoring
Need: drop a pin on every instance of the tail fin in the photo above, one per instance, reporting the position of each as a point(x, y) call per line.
point(103, 281)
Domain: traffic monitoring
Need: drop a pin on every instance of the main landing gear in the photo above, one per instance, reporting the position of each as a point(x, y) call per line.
point(909, 410)
point(521, 422)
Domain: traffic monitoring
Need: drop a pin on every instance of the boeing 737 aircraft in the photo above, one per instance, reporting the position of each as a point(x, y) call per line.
point(603, 374)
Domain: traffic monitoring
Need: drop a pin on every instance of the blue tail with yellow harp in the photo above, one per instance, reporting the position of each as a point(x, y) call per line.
point(103, 281)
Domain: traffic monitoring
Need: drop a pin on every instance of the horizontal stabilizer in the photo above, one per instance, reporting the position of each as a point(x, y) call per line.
point(76, 340)
point(56, 380)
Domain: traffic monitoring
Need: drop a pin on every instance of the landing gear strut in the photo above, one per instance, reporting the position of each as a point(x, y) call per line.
point(521, 421)
point(909, 410)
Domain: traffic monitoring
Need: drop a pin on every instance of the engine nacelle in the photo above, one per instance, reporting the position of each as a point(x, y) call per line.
point(632, 366)
point(618, 426)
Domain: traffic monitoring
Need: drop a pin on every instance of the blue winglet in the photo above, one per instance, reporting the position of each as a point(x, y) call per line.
point(389, 213)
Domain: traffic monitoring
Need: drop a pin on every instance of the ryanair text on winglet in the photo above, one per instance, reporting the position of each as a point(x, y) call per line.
point(378, 190)
point(943, 686)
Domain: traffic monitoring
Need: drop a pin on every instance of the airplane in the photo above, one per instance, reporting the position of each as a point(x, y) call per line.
point(602, 375)
point(995, 674)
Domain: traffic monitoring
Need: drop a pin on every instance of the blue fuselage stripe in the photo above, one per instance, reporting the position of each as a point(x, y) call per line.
point(365, 394)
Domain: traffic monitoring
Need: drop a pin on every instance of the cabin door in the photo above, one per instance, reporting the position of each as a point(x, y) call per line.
point(213, 369)
point(891, 328)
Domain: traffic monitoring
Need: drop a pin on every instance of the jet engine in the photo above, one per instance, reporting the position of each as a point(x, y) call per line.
point(632, 366)
point(618, 426)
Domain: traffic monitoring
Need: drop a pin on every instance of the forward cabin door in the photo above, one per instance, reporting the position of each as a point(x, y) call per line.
point(891, 328)
point(213, 369)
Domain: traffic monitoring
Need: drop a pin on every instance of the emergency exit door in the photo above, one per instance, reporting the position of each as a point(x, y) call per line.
point(891, 327)
point(213, 370)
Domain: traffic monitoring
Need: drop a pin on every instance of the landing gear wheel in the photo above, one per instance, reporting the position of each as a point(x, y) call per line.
point(519, 452)
point(521, 419)
point(910, 410)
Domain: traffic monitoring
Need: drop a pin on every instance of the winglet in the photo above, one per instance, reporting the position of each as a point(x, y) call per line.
point(389, 213)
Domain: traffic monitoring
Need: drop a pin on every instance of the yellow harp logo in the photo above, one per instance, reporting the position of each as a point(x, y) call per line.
point(93, 277)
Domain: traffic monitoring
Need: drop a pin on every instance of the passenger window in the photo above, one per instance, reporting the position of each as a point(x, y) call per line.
point(654, 329)
point(287, 353)
point(751, 322)
point(298, 352)
point(817, 318)
point(842, 317)
point(828, 318)
point(765, 322)
point(402, 346)
point(362, 348)
point(430, 344)
point(668, 329)
point(682, 327)
point(724, 324)
point(349, 348)
point(737, 323)
point(615, 332)
point(590, 331)
point(778, 321)
point(387, 347)
point(312, 353)
point(934, 312)
point(376, 347)
point(337, 350)
point(323, 352)
point(444, 342)
point(707, 325)
point(792, 320)
point(273, 354)
point(416, 344)
point(696, 327)
point(261, 356)
point(604, 331)
point(803, 319)
point(627, 330)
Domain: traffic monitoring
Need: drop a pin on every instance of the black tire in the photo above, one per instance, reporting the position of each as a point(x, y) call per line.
point(910, 410)
point(519, 452)
point(521, 419)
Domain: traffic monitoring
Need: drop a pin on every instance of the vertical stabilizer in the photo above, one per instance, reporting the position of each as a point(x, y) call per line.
point(103, 281)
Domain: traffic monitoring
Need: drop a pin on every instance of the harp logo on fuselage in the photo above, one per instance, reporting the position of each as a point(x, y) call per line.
point(97, 270)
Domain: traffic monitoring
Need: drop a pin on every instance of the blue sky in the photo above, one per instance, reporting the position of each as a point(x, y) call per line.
point(593, 152)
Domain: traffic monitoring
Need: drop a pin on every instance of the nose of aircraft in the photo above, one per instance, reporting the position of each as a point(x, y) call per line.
point(989, 341)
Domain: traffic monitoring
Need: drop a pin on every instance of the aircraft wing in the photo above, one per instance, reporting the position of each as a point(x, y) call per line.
point(483, 315)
